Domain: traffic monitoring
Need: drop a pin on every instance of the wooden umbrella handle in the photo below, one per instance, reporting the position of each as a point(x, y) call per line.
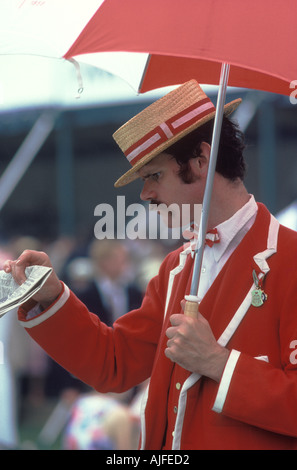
point(192, 306)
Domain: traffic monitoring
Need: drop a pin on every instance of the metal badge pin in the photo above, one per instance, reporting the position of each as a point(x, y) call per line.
point(258, 295)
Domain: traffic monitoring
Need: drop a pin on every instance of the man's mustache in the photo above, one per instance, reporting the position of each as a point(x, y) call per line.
point(155, 202)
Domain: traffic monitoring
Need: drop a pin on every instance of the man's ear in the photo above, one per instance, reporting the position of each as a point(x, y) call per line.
point(200, 163)
point(205, 150)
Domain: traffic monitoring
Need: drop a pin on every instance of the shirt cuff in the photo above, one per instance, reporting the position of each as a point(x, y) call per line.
point(34, 315)
point(225, 381)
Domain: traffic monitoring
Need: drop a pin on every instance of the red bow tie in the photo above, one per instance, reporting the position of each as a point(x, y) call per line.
point(212, 236)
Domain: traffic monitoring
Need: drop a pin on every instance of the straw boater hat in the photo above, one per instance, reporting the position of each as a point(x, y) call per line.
point(162, 124)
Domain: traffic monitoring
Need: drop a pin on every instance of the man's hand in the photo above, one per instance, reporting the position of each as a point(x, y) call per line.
point(192, 345)
point(52, 287)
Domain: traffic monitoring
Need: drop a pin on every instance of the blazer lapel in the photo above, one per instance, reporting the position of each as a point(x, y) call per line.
point(229, 298)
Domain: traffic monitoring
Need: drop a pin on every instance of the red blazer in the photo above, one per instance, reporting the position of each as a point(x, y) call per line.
point(255, 404)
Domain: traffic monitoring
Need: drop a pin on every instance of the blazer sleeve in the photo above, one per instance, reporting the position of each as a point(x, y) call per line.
point(106, 358)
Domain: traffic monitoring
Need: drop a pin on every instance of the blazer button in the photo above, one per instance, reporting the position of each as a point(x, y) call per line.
point(178, 385)
point(175, 409)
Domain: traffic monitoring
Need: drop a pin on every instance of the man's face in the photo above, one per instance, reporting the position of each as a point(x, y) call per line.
point(162, 186)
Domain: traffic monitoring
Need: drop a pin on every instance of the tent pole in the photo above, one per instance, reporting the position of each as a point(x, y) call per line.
point(25, 155)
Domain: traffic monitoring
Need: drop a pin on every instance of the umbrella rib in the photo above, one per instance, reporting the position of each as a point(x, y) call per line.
point(144, 73)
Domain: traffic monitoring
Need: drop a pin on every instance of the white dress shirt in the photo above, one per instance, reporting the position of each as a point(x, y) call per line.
point(231, 233)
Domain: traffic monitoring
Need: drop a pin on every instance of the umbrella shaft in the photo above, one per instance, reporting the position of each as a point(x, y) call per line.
point(210, 176)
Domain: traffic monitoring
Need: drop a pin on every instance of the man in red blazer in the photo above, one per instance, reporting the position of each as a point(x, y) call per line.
point(226, 379)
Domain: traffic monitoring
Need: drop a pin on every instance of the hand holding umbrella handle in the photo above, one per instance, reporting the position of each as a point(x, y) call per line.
point(191, 306)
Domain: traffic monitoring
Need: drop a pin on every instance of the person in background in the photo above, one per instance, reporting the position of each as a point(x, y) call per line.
point(112, 291)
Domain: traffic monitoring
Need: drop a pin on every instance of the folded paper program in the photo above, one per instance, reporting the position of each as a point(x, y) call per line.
point(12, 295)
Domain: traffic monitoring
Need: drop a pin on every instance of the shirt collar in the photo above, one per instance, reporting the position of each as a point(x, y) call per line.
point(233, 230)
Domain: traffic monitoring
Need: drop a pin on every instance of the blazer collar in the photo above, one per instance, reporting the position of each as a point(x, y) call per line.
point(235, 280)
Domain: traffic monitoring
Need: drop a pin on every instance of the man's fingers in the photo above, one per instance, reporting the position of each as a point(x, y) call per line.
point(17, 267)
point(30, 258)
point(176, 319)
point(27, 258)
point(7, 266)
point(170, 332)
point(17, 271)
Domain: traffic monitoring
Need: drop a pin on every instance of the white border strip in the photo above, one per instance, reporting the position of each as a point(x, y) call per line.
point(182, 261)
point(236, 319)
point(194, 113)
point(182, 402)
point(166, 130)
point(225, 381)
point(48, 313)
point(152, 140)
point(142, 417)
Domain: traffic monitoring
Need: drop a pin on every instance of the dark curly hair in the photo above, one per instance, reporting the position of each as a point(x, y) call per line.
point(230, 160)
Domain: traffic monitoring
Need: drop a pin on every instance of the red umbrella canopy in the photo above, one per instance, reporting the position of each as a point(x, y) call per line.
point(191, 38)
point(185, 38)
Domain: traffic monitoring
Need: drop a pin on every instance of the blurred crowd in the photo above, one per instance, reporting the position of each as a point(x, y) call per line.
point(110, 277)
